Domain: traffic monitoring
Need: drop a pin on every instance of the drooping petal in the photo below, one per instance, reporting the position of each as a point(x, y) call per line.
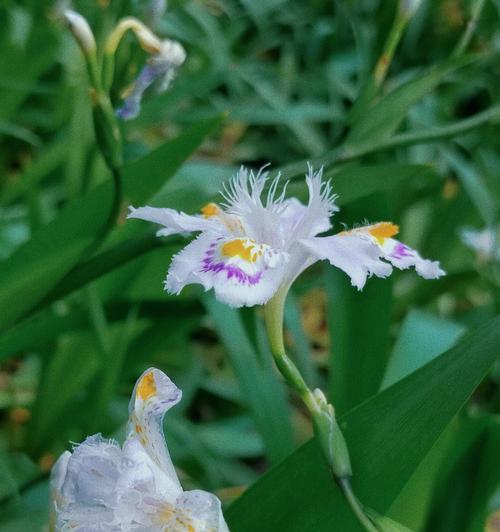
point(403, 257)
point(354, 254)
point(241, 272)
point(154, 394)
point(172, 220)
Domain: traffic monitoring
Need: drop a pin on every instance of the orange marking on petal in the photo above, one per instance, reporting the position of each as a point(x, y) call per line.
point(210, 209)
point(383, 230)
point(236, 248)
point(146, 387)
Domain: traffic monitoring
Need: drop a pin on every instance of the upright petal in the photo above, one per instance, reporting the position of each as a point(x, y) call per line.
point(241, 271)
point(154, 394)
point(172, 220)
point(354, 254)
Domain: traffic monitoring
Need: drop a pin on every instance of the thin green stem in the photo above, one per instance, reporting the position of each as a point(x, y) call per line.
point(326, 428)
point(470, 28)
point(340, 156)
point(391, 43)
point(356, 506)
point(274, 313)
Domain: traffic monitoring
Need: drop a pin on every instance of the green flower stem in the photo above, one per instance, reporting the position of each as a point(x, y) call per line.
point(355, 505)
point(107, 131)
point(373, 84)
point(339, 156)
point(463, 43)
point(403, 16)
point(326, 428)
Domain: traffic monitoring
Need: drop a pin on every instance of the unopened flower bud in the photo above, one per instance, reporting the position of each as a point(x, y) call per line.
point(81, 30)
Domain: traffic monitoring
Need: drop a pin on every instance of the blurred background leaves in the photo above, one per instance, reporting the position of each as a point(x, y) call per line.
point(265, 81)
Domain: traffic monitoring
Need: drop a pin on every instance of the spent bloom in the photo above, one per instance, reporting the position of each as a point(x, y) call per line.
point(166, 56)
point(102, 487)
point(255, 243)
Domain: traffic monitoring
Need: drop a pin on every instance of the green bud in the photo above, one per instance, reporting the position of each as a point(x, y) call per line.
point(81, 30)
point(330, 437)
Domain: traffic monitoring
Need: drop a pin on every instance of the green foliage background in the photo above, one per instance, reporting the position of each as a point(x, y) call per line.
point(411, 365)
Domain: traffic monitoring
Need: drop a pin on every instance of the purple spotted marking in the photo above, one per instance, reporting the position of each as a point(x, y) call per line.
point(401, 251)
point(232, 271)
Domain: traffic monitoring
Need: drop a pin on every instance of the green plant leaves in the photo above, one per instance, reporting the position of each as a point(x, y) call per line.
point(388, 436)
point(259, 383)
point(37, 266)
point(384, 117)
point(421, 338)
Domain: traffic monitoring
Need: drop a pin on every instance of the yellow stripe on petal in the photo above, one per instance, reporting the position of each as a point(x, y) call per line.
point(383, 230)
point(146, 387)
point(210, 209)
point(236, 248)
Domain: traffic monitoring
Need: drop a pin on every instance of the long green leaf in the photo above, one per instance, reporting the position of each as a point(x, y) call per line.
point(382, 119)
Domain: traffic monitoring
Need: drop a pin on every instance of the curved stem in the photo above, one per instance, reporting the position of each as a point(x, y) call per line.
point(490, 116)
point(326, 428)
point(356, 507)
point(470, 28)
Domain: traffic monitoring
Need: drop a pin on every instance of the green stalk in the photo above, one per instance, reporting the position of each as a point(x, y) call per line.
point(372, 86)
point(470, 28)
point(338, 156)
point(326, 428)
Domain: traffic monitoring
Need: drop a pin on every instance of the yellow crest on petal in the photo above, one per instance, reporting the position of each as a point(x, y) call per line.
point(383, 230)
point(146, 387)
point(237, 248)
point(210, 209)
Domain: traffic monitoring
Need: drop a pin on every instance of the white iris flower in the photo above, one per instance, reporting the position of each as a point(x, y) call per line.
point(250, 247)
point(102, 487)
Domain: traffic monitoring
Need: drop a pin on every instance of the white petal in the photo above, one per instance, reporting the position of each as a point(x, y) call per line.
point(235, 280)
point(88, 493)
point(320, 207)
point(174, 221)
point(57, 477)
point(402, 256)
point(92, 472)
point(204, 510)
point(154, 394)
point(355, 254)
point(260, 219)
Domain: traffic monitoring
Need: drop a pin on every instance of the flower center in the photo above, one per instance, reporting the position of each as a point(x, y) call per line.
point(383, 230)
point(244, 248)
